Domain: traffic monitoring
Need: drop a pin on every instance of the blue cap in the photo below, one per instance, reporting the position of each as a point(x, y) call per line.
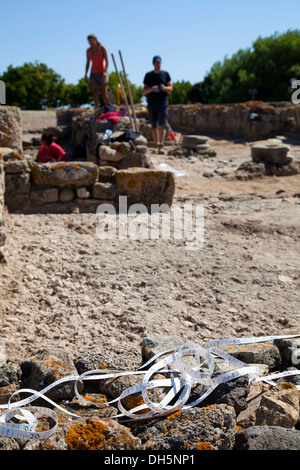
point(156, 58)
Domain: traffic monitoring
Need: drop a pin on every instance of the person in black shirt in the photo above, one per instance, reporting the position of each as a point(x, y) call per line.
point(157, 85)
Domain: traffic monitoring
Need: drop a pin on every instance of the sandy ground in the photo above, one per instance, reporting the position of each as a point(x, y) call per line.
point(63, 287)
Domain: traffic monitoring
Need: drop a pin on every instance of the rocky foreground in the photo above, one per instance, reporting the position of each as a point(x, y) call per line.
point(238, 415)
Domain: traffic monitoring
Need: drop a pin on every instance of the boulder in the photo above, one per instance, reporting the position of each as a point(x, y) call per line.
point(209, 428)
point(278, 406)
point(255, 353)
point(268, 438)
point(101, 434)
point(48, 366)
point(233, 393)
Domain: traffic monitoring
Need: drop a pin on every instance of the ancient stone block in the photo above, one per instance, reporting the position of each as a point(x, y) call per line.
point(65, 175)
point(193, 141)
point(66, 195)
point(132, 160)
point(44, 196)
point(82, 193)
point(16, 166)
point(271, 154)
point(17, 188)
point(11, 127)
point(104, 191)
point(106, 173)
point(146, 186)
point(109, 154)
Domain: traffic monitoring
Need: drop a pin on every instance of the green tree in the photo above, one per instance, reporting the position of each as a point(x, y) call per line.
point(78, 95)
point(181, 92)
point(33, 86)
point(268, 66)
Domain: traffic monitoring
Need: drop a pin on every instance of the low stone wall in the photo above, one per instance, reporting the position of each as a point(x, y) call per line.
point(83, 186)
point(250, 120)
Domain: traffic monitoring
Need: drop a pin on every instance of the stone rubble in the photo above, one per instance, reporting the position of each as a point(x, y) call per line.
point(238, 415)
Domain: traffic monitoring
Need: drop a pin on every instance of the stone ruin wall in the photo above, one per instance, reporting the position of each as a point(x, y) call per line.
point(250, 120)
point(75, 186)
point(82, 186)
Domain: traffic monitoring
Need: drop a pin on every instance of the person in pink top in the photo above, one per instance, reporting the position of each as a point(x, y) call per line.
point(49, 151)
point(97, 56)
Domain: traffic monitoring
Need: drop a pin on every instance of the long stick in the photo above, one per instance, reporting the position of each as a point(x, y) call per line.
point(129, 94)
point(123, 92)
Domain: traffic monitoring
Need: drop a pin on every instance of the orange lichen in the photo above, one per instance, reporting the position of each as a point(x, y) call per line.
point(174, 415)
point(58, 166)
point(204, 446)
point(287, 385)
point(86, 436)
point(102, 400)
point(131, 402)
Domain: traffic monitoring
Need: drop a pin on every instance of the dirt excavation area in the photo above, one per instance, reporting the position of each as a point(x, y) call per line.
point(64, 287)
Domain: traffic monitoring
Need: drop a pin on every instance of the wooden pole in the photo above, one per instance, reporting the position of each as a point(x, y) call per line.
point(123, 91)
point(129, 94)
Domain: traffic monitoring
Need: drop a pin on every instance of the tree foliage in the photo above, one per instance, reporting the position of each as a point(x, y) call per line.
point(268, 66)
point(35, 86)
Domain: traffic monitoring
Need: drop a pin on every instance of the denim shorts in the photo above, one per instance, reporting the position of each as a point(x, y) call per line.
point(158, 114)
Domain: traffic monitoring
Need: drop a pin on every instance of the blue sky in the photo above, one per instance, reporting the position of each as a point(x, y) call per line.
point(190, 35)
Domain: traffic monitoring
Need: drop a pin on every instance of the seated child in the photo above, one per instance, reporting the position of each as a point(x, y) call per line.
point(49, 151)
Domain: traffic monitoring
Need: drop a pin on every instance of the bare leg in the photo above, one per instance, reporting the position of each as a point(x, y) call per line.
point(155, 134)
point(95, 91)
point(104, 92)
point(161, 134)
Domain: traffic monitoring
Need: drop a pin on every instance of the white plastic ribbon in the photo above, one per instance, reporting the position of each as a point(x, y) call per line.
point(179, 385)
